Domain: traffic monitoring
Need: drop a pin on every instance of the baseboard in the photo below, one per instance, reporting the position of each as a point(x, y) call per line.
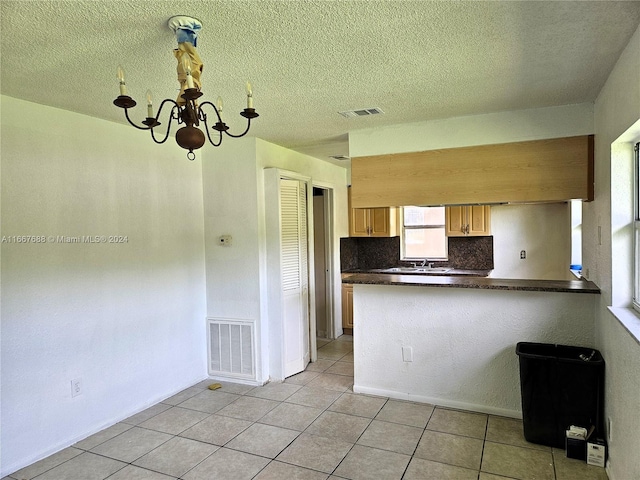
point(441, 402)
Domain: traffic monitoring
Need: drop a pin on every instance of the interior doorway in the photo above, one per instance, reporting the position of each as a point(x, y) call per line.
point(323, 262)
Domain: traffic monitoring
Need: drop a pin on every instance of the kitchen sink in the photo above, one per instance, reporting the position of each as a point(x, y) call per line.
point(415, 270)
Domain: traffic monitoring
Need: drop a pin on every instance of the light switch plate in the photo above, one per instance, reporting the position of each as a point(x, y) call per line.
point(407, 354)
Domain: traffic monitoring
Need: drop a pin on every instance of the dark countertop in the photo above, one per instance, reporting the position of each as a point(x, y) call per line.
point(460, 281)
point(451, 272)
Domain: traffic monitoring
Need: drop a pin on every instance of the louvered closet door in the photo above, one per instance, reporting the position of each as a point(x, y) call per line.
point(295, 285)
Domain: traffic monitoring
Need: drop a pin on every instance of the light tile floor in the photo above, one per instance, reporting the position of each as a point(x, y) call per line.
point(312, 426)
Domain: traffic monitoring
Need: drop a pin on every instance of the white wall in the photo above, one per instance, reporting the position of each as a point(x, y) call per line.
point(128, 319)
point(616, 110)
point(233, 177)
point(501, 127)
point(542, 230)
point(463, 341)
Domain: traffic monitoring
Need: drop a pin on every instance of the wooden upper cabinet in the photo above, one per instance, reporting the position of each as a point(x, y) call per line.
point(551, 170)
point(358, 222)
point(380, 222)
point(468, 221)
point(455, 221)
point(479, 218)
point(373, 222)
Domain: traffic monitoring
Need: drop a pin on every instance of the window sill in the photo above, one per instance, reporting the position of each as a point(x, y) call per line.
point(629, 319)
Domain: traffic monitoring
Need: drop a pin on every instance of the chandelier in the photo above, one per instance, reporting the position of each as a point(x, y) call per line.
point(186, 110)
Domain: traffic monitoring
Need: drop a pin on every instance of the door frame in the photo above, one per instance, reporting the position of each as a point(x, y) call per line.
point(329, 250)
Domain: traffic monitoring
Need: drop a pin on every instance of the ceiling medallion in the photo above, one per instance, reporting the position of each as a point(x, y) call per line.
point(186, 110)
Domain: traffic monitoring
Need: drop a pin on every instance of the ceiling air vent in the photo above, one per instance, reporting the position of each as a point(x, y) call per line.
point(362, 112)
point(340, 157)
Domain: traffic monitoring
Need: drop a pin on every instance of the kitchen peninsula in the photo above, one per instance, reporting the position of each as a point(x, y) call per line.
point(450, 340)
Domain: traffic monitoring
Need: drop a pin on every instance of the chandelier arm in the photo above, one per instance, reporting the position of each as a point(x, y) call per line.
point(167, 100)
point(166, 135)
point(170, 120)
point(200, 110)
point(243, 133)
point(126, 114)
point(206, 129)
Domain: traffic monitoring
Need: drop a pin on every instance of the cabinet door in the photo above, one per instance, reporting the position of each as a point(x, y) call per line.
point(359, 222)
point(455, 221)
point(358, 219)
point(479, 220)
point(379, 221)
point(347, 306)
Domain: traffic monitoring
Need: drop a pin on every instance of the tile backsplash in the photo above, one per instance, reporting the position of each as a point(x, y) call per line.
point(362, 253)
point(471, 253)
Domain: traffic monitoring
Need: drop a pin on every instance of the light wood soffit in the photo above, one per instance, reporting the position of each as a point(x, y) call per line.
point(550, 170)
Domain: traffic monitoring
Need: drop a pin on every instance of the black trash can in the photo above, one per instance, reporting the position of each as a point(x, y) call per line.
point(560, 386)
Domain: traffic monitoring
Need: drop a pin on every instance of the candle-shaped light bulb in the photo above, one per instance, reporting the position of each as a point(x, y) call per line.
point(186, 65)
point(249, 95)
point(123, 85)
point(149, 104)
point(219, 106)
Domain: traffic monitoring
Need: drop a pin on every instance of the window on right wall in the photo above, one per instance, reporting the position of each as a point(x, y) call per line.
point(636, 228)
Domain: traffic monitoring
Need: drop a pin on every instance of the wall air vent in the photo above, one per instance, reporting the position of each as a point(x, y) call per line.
point(340, 157)
point(232, 349)
point(362, 112)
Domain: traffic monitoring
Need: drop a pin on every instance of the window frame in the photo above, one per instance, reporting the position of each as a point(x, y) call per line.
point(403, 256)
point(636, 228)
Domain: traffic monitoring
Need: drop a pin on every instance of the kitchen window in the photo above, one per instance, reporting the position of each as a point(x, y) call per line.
point(636, 229)
point(423, 233)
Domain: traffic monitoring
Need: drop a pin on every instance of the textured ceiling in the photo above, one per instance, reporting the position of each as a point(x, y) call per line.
point(307, 60)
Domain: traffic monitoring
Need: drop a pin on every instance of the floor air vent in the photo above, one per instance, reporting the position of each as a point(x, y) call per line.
point(362, 112)
point(231, 348)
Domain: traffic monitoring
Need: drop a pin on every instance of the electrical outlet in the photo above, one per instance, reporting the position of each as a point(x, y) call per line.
point(523, 254)
point(76, 387)
point(225, 240)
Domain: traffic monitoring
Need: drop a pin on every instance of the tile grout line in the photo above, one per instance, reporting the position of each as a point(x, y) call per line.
point(484, 443)
point(418, 442)
point(352, 447)
point(326, 409)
